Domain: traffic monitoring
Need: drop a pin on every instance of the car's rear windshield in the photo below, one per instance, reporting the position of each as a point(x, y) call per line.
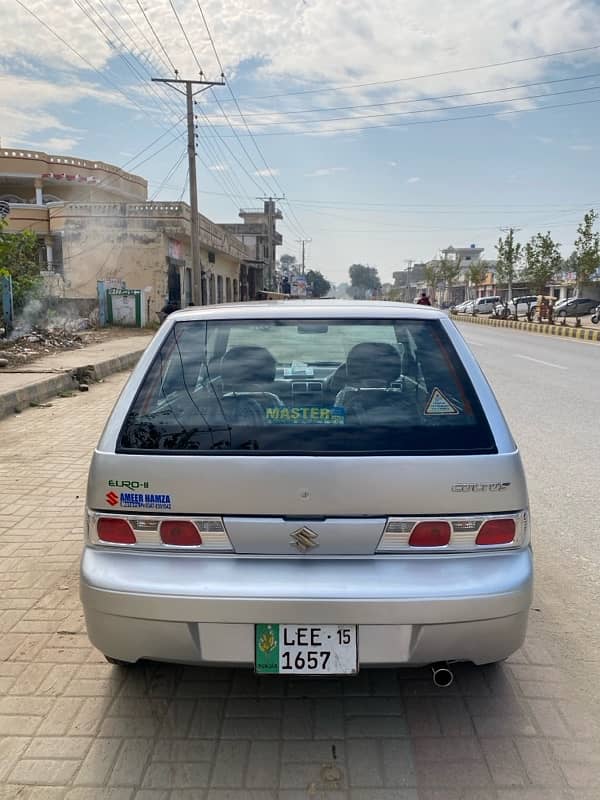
point(307, 386)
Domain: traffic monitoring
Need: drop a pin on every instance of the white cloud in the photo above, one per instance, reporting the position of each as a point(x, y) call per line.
point(321, 173)
point(413, 180)
point(266, 173)
point(581, 148)
point(544, 139)
point(31, 108)
point(58, 144)
point(218, 168)
point(291, 46)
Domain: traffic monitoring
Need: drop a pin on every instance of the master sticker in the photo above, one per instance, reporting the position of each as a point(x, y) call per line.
point(439, 405)
point(305, 415)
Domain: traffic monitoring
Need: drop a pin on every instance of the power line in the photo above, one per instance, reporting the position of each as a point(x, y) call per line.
point(189, 44)
point(430, 121)
point(86, 61)
point(442, 73)
point(122, 56)
point(425, 207)
point(324, 109)
point(237, 105)
point(186, 37)
point(156, 36)
point(231, 152)
point(185, 183)
point(141, 32)
point(169, 174)
point(438, 108)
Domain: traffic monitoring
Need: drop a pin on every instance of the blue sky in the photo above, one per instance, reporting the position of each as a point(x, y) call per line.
point(378, 195)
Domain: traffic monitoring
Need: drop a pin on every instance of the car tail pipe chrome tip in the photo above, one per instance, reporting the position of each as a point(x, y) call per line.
point(442, 675)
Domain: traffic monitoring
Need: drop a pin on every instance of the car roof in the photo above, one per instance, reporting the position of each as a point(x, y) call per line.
point(294, 309)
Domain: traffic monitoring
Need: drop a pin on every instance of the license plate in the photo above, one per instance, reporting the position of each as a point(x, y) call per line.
point(306, 649)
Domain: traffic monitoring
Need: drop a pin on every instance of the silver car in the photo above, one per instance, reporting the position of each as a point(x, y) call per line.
point(307, 487)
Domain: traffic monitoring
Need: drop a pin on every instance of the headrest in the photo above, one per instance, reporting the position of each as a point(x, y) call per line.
point(373, 361)
point(247, 365)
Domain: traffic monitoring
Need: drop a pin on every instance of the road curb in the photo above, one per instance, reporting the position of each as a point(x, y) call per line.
point(42, 390)
point(585, 334)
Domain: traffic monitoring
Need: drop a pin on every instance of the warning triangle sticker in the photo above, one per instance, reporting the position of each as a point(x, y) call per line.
point(439, 405)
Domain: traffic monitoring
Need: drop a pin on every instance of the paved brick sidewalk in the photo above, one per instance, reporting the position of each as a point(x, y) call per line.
point(73, 727)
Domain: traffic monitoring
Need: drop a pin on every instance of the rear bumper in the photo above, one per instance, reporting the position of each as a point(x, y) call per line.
point(409, 609)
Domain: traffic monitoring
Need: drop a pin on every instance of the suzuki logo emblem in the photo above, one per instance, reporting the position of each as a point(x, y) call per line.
point(304, 539)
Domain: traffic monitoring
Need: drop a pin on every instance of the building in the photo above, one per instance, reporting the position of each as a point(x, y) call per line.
point(94, 223)
point(259, 233)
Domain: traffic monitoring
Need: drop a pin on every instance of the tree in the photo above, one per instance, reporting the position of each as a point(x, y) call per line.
point(542, 261)
point(318, 283)
point(449, 272)
point(587, 249)
point(432, 275)
point(19, 258)
point(287, 262)
point(509, 257)
point(477, 273)
point(363, 279)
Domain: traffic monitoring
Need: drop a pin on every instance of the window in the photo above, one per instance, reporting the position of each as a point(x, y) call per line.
point(308, 387)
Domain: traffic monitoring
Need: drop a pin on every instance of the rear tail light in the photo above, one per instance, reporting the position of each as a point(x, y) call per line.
point(497, 531)
point(180, 533)
point(430, 534)
point(158, 533)
point(455, 534)
point(115, 530)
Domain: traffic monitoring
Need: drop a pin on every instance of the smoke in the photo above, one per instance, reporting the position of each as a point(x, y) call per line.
point(51, 315)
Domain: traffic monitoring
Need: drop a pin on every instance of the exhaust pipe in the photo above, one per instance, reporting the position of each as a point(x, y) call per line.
point(442, 675)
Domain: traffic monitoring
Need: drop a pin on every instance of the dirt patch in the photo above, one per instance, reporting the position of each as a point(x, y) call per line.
point(40, 342)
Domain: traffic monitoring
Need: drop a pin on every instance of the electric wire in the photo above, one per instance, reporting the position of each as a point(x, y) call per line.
point(437, 108)
point(258, 149)
point(439, 74)
point(160, 44)
point(327, 131)
point(323, 109)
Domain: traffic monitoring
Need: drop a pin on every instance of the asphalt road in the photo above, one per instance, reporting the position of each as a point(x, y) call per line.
point(549, 390)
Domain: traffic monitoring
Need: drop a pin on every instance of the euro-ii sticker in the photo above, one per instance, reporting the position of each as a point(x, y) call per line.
point(305, 415)
point(147, 501)
point(438, 405)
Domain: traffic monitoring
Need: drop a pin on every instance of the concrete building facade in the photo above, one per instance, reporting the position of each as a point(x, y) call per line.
point(259, 233)
point(95, 223)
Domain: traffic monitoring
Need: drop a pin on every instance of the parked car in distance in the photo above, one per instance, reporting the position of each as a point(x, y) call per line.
point(520, 306)
point(228, 517)
point(575, 307)
point(460, 308)
point(483, 305)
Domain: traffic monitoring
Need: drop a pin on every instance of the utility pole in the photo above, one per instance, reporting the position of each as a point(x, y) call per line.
point(409, 263)
point(270, 240)
point(303, 242)
point(511, 231)
point(189, 94)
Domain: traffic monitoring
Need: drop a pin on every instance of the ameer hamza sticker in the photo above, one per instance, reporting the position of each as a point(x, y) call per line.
point(439, 405)
point(150, 502)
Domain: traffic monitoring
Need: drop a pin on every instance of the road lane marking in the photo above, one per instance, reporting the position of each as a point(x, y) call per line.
point(476, 342)
point(539, 361)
